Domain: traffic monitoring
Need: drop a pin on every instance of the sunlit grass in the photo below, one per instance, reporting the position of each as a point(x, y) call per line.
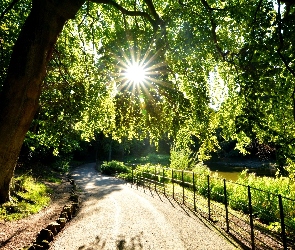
point(163, 159)
point(28, 197)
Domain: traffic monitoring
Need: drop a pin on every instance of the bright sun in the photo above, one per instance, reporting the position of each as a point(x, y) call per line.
point(139, 72)
point(135, 73)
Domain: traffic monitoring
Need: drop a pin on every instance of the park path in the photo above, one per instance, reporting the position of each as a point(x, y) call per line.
point(115, 215)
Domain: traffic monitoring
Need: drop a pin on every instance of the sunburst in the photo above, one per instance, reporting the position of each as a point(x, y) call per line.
point(135, 73)
point(140, 72)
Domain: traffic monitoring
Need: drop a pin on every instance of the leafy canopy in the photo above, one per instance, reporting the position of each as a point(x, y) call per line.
point(212, 65)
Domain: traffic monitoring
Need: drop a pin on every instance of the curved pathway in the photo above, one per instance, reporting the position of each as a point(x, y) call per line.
point(115, 215)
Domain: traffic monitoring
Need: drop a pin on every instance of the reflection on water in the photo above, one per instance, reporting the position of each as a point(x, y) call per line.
point(231, 172)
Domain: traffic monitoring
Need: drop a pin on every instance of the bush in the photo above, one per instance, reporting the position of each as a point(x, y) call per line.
point(264, 194)
point(62, 164)
point(114, 167)
point(201, 179)
point(150, 158)
point(180, 159)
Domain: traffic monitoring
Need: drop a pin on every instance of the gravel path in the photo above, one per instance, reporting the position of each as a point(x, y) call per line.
point(115, 215)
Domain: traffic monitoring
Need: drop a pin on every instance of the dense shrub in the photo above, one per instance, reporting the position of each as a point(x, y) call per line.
point(264, 194)
point(180, 159)
point(114, 167)
point(62, 164)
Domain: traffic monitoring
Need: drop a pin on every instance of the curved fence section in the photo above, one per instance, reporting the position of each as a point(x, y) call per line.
point(257, 219)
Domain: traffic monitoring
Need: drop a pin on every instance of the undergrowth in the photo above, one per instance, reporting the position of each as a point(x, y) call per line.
point(27, 197)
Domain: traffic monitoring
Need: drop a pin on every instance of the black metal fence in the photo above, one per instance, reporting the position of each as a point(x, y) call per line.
point(257, 219)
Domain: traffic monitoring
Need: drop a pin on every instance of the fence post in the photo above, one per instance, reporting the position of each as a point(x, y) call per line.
point(194, 188)
point(226, 203)
point(182, 187)
point(282, 222)
point(132, 174)
point(164, 181)
point(173, 184)
point(209, 210)
point(155, 178)
point(251, 218)
point(137, 182)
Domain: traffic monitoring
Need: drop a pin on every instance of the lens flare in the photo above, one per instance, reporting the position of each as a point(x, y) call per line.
point(135, 73)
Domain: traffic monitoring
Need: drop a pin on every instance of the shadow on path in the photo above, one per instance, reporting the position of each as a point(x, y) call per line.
point(189, 212)
point(121, 243)
point(93, 184)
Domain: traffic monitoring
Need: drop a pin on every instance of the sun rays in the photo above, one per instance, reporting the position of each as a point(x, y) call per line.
point(135, 73)
point(139, 73)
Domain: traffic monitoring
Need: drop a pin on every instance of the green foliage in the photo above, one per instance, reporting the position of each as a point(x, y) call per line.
point(62, 164)
point(180, 159)
point(147, 171)
point(114, 167)
point(152, 158)
point(10, 26)
point(217, 188)
point(215, 65)
point(264, 194)
point(28, 197)
point(201, 176)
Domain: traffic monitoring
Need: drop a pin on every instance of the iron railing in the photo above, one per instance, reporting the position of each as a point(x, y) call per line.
point(269, 230)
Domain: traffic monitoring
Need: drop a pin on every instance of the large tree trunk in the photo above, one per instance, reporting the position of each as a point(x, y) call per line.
point(27, 69)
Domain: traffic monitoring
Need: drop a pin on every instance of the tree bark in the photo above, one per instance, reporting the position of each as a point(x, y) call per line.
point(23, 84)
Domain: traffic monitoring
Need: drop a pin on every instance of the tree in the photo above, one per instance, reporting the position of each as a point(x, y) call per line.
point(22, 86)
point(245, 45)
point(27, 68)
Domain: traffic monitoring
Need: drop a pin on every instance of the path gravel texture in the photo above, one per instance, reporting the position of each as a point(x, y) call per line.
point(117, 215)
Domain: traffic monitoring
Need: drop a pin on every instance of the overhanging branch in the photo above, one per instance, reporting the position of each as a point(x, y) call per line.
point(281, 40)
point(213, 28)
point(152, 9)
point(125, 11)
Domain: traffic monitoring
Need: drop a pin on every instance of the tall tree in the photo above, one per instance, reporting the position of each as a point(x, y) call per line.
point(27, 68)
point(22, 86)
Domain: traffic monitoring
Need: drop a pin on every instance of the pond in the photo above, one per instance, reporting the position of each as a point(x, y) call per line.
point(231, 171)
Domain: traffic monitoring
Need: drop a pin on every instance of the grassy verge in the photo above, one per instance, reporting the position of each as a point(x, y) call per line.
point(28, 196)
point(150, 158)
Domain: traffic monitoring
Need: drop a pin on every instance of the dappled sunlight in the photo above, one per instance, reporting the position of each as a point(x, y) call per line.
point(122, 242)
point(94, 185)
point(114, 216)
point(90, 185)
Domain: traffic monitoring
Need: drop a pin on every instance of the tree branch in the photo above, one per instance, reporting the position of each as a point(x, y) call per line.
point(125, 11)
point(10, 6)
point(255, 14)
point(213, 30)
point(152, 9)
point(208, 7)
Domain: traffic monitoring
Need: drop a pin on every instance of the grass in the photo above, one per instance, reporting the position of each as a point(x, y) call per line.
point(28, 196)
point(162, 159)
